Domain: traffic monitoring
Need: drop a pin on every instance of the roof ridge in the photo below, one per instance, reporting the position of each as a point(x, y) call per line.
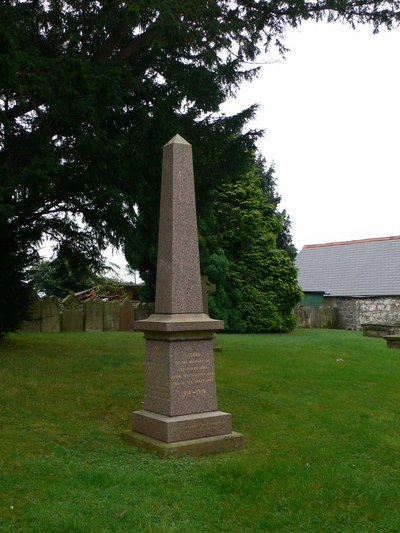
point(358, 241)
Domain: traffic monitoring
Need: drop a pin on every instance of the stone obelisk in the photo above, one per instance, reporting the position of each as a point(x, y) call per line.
point(180, 412)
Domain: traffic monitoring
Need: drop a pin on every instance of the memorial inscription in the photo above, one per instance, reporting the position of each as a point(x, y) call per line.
point(179, 377)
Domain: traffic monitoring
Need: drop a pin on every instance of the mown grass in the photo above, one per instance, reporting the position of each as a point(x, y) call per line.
point(322, 438)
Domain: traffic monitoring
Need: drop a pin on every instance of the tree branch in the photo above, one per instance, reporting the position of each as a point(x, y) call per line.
point(136, 44)
point(112, 42)
point(351, 7)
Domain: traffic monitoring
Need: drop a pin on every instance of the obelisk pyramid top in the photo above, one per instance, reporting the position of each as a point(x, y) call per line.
point(177, 139)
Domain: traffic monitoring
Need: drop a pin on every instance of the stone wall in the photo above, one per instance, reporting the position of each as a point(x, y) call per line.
point(354, 312)
point(347, 312)
point(379, 310)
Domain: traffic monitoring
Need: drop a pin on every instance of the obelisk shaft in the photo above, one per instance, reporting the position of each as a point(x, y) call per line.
point(178, 288)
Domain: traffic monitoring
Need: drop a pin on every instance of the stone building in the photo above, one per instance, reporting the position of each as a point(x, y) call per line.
point(360, 279)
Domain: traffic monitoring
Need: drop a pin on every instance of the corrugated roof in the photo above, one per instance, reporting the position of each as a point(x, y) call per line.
point(369, 267)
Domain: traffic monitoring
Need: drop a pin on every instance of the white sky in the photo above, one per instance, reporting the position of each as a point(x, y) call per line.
point(332, 118)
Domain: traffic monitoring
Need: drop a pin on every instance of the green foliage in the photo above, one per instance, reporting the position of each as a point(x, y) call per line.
point(223, 303)
point(70, 273)
point(107, 286)
point(259, 277)
point(267, 280)
point(90, 91)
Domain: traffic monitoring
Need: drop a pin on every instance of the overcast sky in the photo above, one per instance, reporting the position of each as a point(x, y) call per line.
point(332, 118)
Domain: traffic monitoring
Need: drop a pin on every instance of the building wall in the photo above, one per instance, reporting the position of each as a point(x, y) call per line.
point(347, 312)
point(354, 312)
point(379, 310)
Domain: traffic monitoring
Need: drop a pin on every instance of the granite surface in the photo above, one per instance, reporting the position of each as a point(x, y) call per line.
point(179, 322)
point(208, 445)
point(179, 428)
point(179, 377)
point(178, 287)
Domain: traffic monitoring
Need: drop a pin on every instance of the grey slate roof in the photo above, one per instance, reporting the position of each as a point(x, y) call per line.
point(369, 267)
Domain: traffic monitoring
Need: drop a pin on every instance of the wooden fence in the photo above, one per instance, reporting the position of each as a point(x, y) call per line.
point(50, 315)
point(316, 317)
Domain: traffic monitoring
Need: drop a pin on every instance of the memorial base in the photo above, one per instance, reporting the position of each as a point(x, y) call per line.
point(180, 428)
point(207, 445)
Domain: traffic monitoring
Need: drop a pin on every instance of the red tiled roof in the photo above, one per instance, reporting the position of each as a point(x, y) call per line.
point(359, 241)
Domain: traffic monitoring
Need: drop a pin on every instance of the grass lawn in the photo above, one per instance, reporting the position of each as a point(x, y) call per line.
point(322, 438)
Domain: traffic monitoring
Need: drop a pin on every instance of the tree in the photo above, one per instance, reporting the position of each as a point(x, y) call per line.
point(251, 262)
point(66, 274)
point(15, 296)
point(90, 91)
